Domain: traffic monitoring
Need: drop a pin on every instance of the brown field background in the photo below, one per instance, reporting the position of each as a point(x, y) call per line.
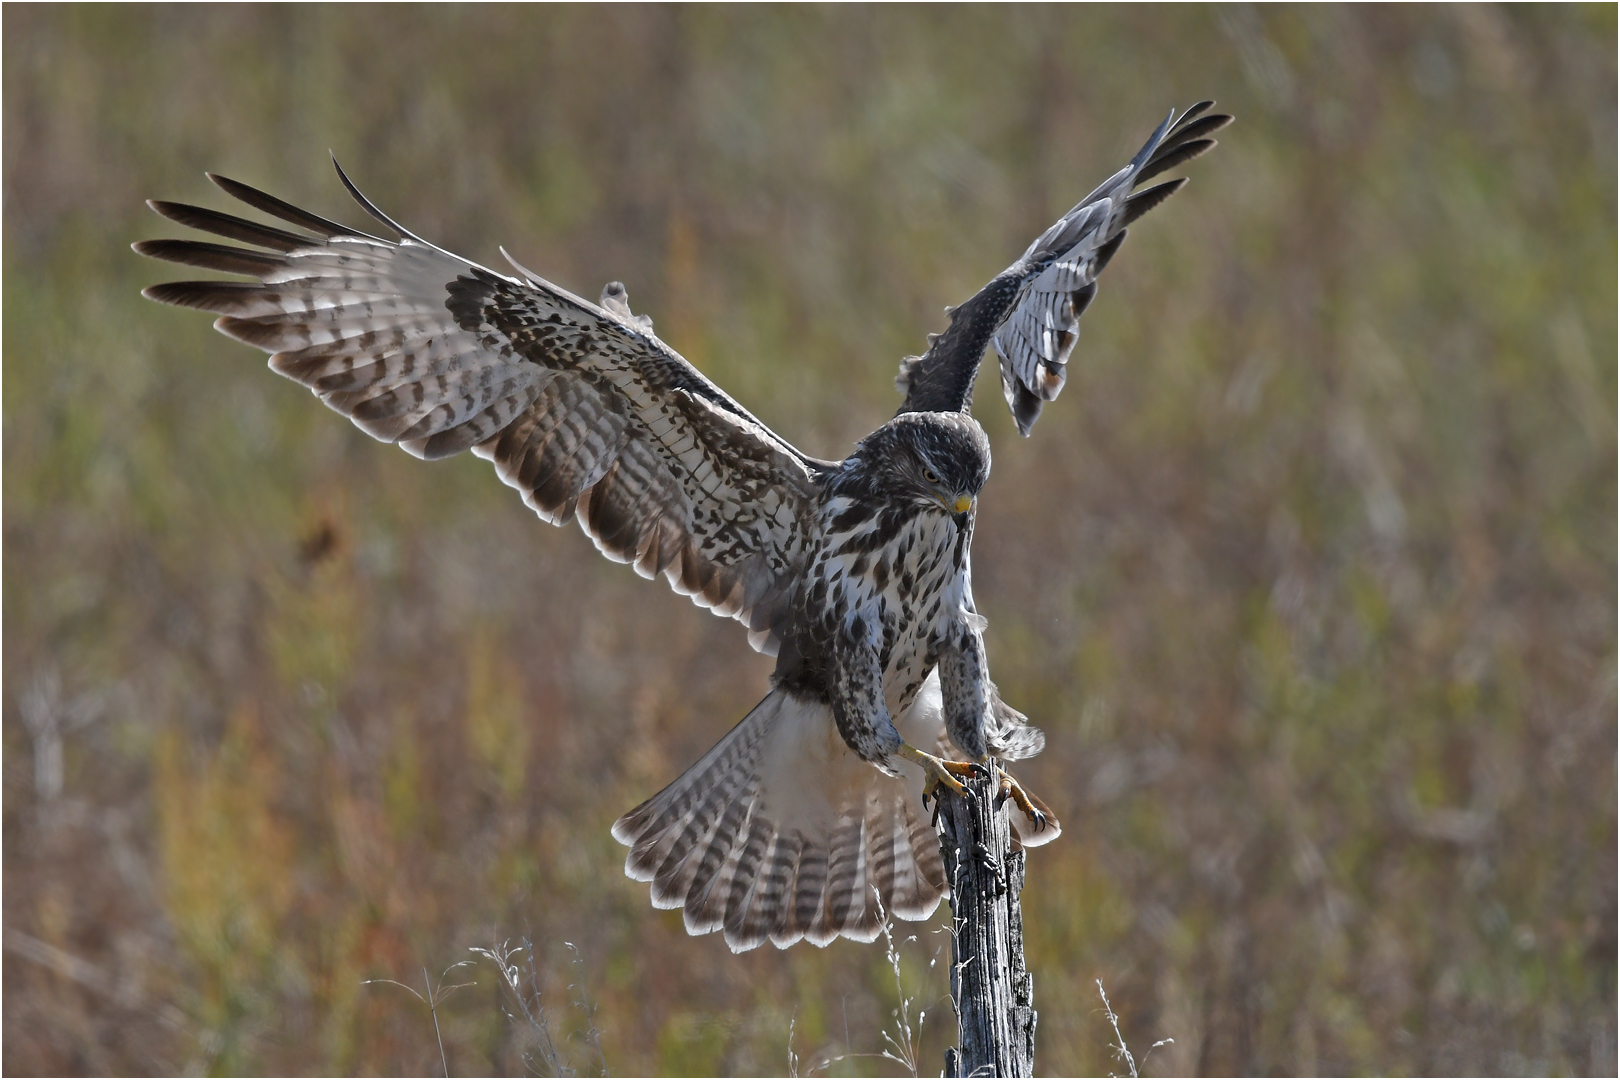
point(1310, 575)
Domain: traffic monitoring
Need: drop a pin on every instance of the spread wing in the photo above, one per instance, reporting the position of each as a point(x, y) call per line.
point(1032, 309)
point(579, 406)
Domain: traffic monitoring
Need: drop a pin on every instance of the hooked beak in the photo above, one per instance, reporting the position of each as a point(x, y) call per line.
point(959, 509)
point(957, 505)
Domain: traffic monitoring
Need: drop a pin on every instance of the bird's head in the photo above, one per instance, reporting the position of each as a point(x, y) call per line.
point(937, 460)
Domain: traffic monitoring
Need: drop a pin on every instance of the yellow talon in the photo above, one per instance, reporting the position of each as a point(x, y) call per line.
point(941, 772)
point(938, 771)
point(1008, 787)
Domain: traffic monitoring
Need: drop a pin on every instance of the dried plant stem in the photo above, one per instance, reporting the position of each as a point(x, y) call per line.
point(1121, 1051)
point(433, 1010)
point(435, 994)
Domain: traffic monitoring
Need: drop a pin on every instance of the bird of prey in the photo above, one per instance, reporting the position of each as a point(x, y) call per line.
point(855, 574)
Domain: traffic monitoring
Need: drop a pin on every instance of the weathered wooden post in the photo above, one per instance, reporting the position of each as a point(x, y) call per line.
point(993, 995)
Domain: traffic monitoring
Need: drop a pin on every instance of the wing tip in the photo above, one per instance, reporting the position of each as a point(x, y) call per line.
point(202, 295)
point(263, 201)
point(370, 207)
point(1025, 406)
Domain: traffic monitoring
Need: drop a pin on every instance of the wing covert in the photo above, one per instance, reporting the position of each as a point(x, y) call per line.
point(579, 406)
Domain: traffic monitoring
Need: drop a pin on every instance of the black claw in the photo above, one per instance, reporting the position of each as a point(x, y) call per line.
point(1002, 794)
point(981, 768)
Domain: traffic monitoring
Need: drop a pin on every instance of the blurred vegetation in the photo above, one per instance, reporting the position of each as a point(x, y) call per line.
point(1310, 576)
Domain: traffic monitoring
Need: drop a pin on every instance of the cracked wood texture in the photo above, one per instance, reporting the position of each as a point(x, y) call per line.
point(994, 996)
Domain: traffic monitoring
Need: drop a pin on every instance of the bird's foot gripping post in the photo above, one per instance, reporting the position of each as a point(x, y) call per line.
point(991, 991)
point(939, 772)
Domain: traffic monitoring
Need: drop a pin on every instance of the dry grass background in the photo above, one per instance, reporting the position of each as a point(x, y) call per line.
point(1310, 575)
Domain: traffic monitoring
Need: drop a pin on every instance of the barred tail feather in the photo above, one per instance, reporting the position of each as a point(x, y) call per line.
point(781, 833)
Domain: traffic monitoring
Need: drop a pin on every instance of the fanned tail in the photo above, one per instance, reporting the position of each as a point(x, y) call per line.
point(781, 832)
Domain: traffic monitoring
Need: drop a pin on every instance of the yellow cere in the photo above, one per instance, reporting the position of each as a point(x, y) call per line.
point(962, 504)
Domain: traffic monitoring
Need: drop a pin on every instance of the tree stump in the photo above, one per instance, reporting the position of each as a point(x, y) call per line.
point(991, 991)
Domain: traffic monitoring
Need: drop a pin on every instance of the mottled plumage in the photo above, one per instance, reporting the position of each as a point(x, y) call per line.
point(854, 574)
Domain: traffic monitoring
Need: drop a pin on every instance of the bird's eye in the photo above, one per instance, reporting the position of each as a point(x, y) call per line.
point(931, 476)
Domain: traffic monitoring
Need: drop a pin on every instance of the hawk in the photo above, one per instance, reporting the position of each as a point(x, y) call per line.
point(854, 574)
